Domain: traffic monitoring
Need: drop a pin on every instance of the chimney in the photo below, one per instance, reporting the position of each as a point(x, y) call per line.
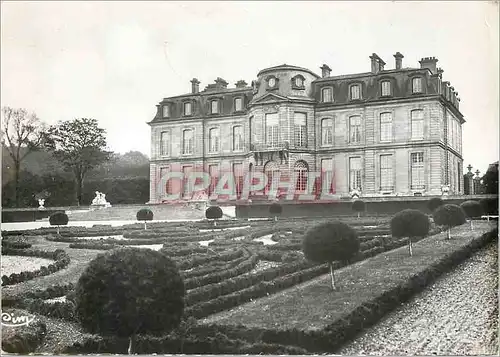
point(381, 64)
point(220, 83)
point(195, 85)
point(399, 60)
point(241, 84)
point(374, 58)
point(325, 71)
point(429, 63)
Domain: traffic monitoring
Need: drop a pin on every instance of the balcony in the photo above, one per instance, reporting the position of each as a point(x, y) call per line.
point(264, 152)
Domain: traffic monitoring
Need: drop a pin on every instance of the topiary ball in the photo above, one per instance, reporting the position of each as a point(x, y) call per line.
point(275, 209)
point(410, 223)
point(145, 214)
point(449, 216)
point(328, 242)
point(358, 206)
point(130, 291)
point(58, 219)
point(213, 212)
point(472, 209)
point(434, 203)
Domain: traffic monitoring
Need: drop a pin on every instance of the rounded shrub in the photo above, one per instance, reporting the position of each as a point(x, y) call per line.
point(410, 223)
point(472, 209)
point(434, 203)
point(128, 291)
point(213, 212)
point(490, 206)
point(144, 214)
point(449, 216)
point(358, 206)
point(275, 209)
point(329, 242)
point(58, 219)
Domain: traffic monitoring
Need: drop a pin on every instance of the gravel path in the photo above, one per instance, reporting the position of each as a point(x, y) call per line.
point(457, 315)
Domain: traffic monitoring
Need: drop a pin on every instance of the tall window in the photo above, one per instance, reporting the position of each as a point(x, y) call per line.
point(164, 143)
point(166, 111)
point(187, 187)
point(238, 177)
point(272, 130)
point(238, 105)
point(271, 171)
point(300, 124)
point(417, 124)
point(213, 171)
point(237, 138)
point(459, 173)
point(386, 173)
point(327, 132)
point(214, 106)
point(417, 170)
point(301, 174)
point(417, 85)
point(327, 175)
point(187, 141)
point(187, 108)
point(386, 88)
point(355, 171)
point(327, 95)
point(355, 129)
point(386, 127)
point(355, 92)
point(213, 140)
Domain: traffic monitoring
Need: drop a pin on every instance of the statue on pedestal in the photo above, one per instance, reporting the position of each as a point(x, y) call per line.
point(41, 202)
point(100, 200)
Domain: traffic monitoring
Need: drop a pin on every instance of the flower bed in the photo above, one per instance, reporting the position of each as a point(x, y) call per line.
point(61, 261)
point(368, 292)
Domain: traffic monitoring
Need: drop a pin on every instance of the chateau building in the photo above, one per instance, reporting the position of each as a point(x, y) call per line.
point(386, 132)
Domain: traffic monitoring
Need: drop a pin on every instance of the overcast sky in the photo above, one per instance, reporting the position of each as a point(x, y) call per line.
point(114, 61)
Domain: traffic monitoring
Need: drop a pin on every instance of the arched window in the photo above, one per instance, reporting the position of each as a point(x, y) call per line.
point(213, 140)
point(327, 131)
point(272, 172)
point(301, 170)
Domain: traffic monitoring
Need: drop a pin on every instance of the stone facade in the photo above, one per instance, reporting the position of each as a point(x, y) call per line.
point(395, 132)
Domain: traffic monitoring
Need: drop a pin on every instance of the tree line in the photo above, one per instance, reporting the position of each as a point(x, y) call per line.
point(48, 160)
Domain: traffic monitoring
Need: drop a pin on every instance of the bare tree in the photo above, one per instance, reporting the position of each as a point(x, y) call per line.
point(22, 133)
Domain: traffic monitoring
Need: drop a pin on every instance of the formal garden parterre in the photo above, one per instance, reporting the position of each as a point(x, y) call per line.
point(249, 287)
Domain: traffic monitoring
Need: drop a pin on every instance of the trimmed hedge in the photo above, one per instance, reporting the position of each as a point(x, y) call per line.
point(23, 340)
point(61, 261)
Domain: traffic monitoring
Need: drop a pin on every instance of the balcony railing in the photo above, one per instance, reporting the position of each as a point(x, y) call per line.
point(264, 147)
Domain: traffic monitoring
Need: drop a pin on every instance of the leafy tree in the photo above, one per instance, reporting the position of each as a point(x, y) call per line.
point(329, 242)
point(449, 216)
point(473, 210)
point(490, 180)
point(58, 219)
point(79, 145)
point(275, 210)
point(434, 203)
point(410, 223)
point(130, 291)
point(22, 133)
point(358, 206)
point(213, 213)
point(490, 206)
point(144, 214)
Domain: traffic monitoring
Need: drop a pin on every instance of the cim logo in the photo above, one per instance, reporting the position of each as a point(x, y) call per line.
point(9, 319)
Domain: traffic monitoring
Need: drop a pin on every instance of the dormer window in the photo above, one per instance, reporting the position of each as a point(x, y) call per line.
point(385, 88)
point(272, 83)
point(298, 82)
point(214, 106)
point(238, 104)
point(327, 95)
point(166, 111)
point(417, 85)
point(188, 108)
point(355, 92)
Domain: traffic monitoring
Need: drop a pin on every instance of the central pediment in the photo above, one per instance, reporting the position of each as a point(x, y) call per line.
point(269, 98)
